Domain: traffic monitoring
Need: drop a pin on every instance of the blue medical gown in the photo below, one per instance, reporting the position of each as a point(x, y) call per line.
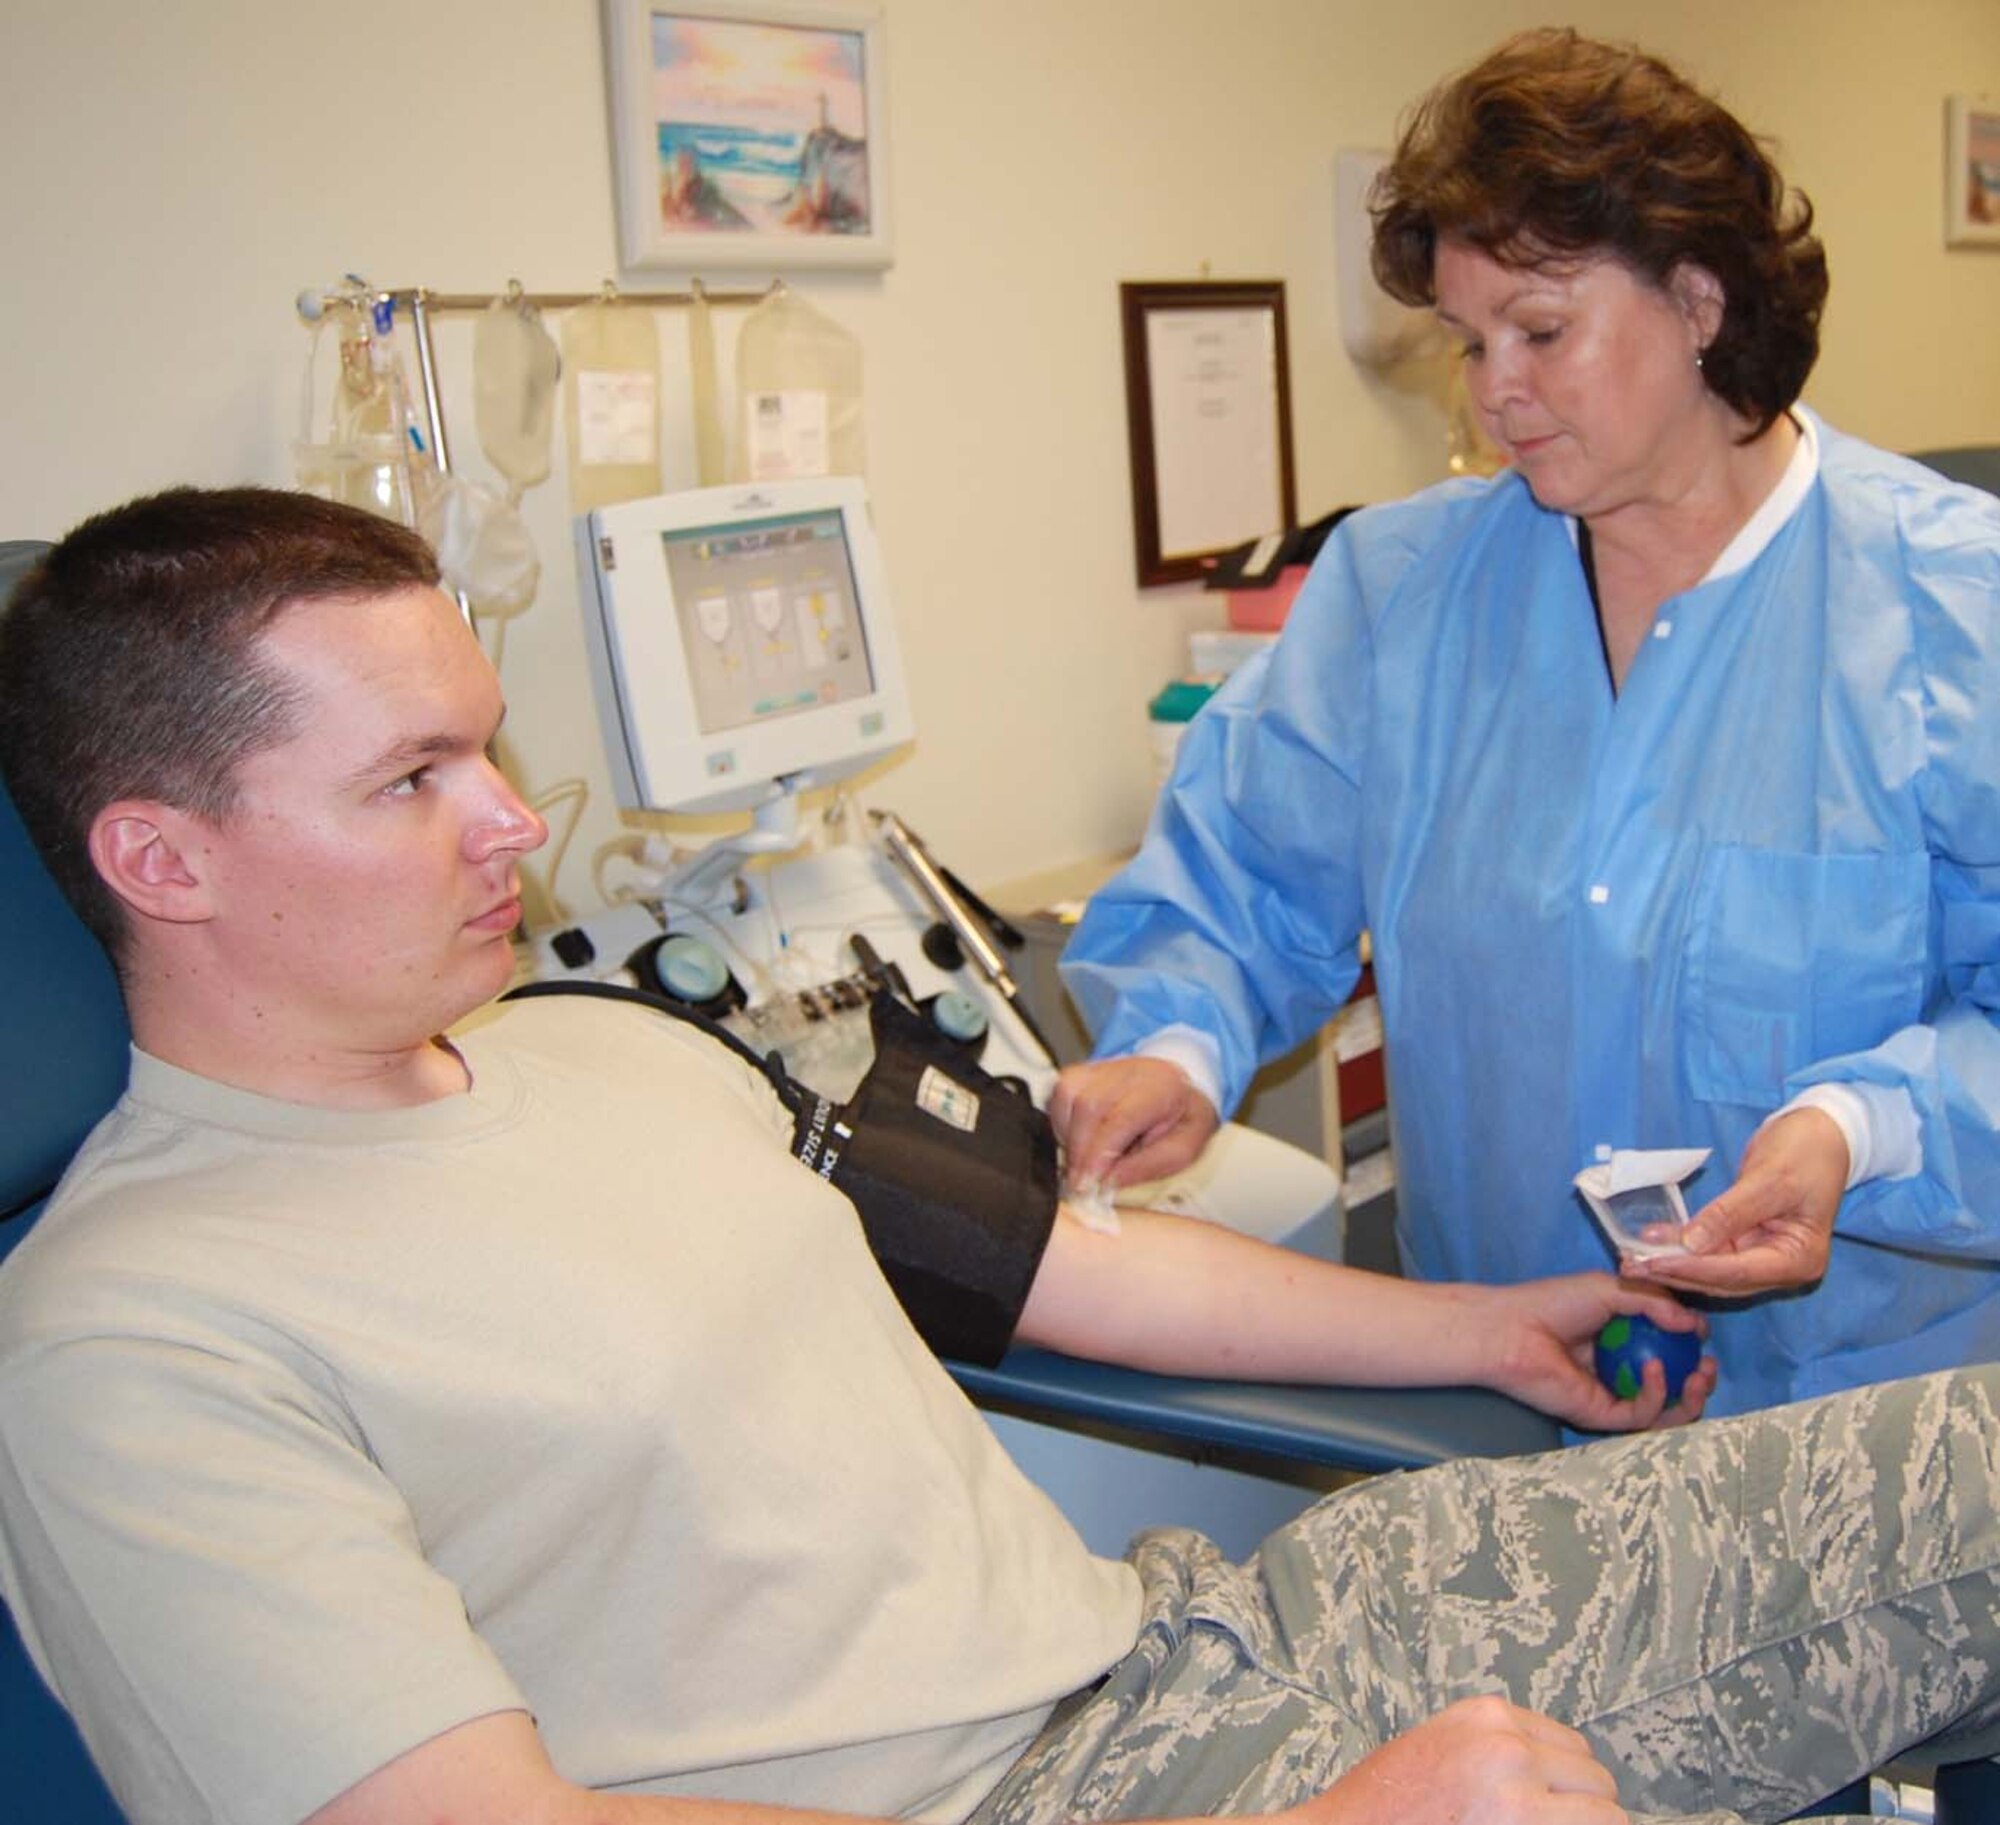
point(1645, 920)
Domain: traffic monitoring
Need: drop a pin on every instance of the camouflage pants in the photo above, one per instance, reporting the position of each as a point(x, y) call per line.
point(1741, 1617)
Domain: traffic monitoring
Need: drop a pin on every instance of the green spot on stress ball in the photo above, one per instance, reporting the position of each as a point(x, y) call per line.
point(1629, 1342)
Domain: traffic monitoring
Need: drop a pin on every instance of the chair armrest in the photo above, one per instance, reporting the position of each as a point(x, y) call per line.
point(1367, 1429)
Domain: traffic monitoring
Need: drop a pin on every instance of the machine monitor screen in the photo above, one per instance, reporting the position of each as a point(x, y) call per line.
point(741, 645)
point(767, 618)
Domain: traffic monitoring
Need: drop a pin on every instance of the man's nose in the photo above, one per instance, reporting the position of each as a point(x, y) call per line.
point(508, 821)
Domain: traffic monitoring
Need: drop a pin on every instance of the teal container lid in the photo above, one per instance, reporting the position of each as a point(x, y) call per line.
point(958, 1016)
point(1181, 699)
point(691, 970)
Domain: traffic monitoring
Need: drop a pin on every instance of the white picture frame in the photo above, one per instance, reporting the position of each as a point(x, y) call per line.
point(748, 134)
point(1972, 172)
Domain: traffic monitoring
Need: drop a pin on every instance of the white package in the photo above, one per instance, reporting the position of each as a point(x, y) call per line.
point(1637, 1189)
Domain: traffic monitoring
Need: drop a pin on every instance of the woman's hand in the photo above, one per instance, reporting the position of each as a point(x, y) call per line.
point(1773, 1228)
point(1483, 1761)
point(1544, 1352)
point(1128, 1121)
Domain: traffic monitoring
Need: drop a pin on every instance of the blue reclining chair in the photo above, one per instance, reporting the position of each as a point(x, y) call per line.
point(62, 1064)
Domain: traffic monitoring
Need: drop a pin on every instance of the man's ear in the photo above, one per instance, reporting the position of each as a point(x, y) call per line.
point(1701, 298)
point(153, 857)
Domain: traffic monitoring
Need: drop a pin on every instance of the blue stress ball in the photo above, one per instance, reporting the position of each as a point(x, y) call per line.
point(1629, 1342)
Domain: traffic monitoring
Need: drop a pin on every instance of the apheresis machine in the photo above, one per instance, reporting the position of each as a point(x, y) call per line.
point(743, 652)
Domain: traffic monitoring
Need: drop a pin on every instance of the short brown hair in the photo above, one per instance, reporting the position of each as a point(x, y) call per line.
point(1555, 147)
point(129, 665)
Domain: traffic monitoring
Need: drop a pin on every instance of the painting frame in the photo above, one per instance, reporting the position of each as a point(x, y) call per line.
point(710, 192)
point(1221, 435)
point(1971, 172)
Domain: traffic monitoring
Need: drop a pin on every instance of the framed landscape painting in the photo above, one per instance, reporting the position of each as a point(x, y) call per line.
point(748, 134)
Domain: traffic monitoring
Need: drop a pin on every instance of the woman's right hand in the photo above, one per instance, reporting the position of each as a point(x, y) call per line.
point(1128, 1121)
point(1481, 1761)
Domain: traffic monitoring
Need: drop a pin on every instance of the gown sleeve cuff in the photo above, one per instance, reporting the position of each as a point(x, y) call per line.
point(1193, 1052)
point(1879, 1121)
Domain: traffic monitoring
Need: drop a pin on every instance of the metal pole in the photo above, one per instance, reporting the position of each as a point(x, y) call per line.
point(908, 848)
point(420, 330)
point(312, 303)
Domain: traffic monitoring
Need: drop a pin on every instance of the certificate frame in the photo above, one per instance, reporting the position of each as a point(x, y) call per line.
point(748, 133)
point(1972, 172)
point(1209, 420)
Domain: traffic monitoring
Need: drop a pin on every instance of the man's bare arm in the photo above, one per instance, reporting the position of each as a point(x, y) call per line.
point(495, 1771)
point(1184, 1297)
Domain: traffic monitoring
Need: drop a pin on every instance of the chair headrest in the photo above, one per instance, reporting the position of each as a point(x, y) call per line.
point(63, 1035)
point(1977, 465)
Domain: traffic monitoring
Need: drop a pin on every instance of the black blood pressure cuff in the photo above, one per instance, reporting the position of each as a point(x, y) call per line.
point(953, 1171)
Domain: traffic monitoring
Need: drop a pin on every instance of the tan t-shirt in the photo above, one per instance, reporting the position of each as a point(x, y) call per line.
point(323, 1432)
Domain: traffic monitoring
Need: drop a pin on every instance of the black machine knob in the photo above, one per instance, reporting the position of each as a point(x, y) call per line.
point(941, 947)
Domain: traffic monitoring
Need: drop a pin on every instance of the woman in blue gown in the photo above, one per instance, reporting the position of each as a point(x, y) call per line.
point(1662, 771)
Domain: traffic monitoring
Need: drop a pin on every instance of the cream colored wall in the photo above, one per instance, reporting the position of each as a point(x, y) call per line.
point(178, 172)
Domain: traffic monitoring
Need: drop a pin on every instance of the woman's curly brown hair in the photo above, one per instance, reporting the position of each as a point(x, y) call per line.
point(1556, 147)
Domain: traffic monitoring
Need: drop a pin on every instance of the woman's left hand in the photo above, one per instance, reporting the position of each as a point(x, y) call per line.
point(1552, 1326)
point(1773, 1228)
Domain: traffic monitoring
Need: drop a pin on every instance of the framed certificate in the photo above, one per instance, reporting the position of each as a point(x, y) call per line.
point(1208, 410)
point(1972, 173)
